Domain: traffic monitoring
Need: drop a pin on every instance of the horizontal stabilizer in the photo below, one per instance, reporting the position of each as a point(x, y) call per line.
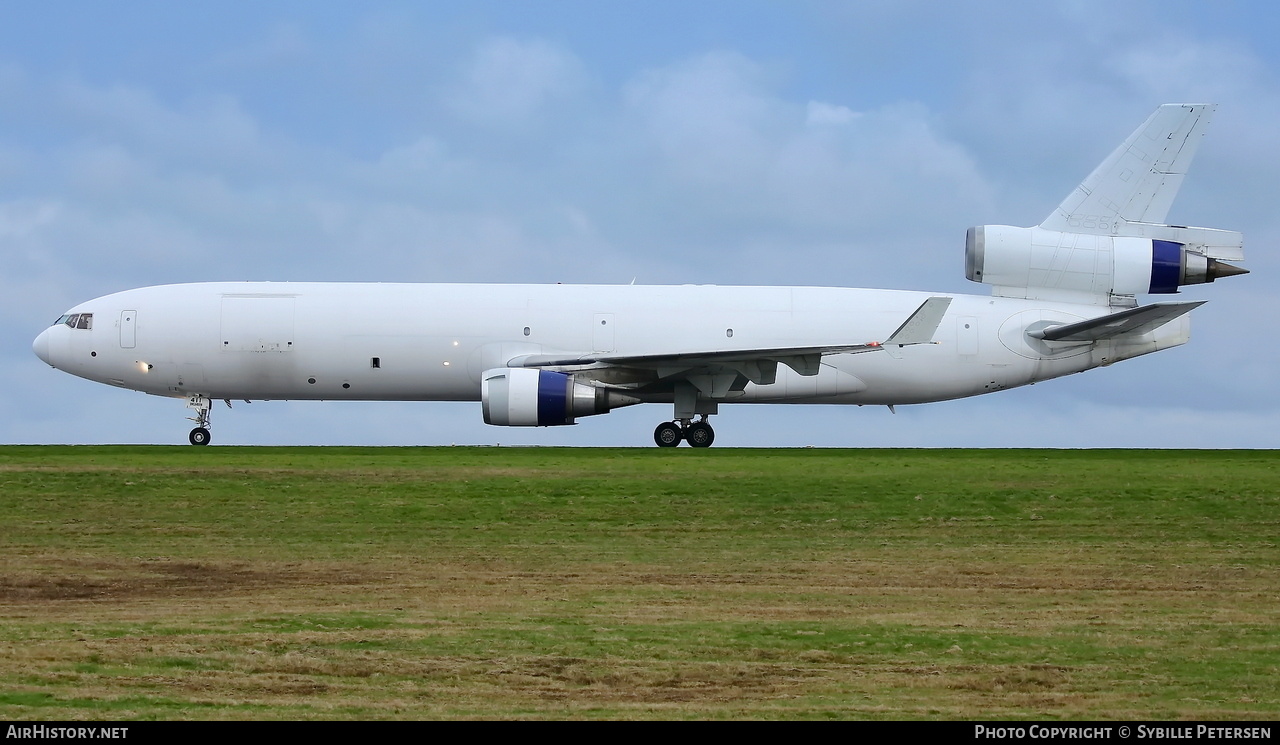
point(1130, 322)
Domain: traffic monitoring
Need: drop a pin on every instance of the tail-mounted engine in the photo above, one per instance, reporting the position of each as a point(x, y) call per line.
point(526, 397)
point(1047, 264)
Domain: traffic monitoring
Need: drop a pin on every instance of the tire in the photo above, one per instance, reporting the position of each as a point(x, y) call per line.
point(667, 435)
point(199, 436)
point(700, 435)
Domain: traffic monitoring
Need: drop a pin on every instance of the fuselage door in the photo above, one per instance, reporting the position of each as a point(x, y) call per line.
point(967, 335)
point(602, 333)
point(128, 328)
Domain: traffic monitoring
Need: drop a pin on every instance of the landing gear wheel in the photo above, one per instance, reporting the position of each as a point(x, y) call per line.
point(667, 435)
point(201, 405)
point(700, 435)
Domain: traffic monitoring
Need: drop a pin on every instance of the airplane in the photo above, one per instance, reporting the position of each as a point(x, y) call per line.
point(1063, 299)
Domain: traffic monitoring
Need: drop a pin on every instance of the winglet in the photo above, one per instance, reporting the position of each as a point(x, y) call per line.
point(922, 325)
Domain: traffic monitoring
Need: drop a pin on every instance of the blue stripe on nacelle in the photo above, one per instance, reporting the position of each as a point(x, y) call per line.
point(1166, 266)
point(553, 395)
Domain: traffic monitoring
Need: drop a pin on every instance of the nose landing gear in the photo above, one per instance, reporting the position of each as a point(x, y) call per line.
point(698, 434)
point(202, 405)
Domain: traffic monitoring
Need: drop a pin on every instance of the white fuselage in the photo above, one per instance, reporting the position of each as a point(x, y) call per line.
point(432, 342)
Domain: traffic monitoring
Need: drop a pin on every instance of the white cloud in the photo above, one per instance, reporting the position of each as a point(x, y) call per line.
point(825, 114)
point(213, 129)
point(22, 218)
point(283, 45)
point(511, 84)
point(812, 190)
point(712, 117)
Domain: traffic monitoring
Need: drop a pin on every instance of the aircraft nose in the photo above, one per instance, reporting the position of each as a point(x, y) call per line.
point(41, 346)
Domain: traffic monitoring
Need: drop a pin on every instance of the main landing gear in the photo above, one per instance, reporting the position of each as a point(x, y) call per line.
point(698, 434)
point(201, 405)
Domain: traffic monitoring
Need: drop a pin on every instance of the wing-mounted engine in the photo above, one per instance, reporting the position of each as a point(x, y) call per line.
point(524, 397)
point(1108, 237)
point(1053, 265)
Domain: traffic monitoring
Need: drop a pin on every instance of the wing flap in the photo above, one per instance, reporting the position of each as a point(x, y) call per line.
point(1132, 322)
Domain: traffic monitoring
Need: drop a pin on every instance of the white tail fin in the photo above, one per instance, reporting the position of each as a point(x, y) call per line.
point(1139, 180)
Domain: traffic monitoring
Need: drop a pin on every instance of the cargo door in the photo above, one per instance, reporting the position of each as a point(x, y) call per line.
point(257, 323)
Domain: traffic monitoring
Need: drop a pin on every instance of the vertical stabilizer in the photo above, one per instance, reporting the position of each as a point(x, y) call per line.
point(1138, 182)
point(1108, 242)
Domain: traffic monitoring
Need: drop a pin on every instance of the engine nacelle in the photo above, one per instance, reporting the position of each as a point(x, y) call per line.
point(526, 397)
point(1035, 258)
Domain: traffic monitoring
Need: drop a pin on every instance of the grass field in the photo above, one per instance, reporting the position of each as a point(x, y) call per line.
point(335, 583)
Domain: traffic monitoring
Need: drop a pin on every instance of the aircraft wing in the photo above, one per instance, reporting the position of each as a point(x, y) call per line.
point(1125, 323)
point(756, 364)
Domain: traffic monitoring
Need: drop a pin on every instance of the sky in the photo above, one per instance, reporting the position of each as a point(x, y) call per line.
point(737, 142)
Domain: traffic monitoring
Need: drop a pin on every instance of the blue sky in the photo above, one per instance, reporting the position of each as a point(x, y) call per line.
point(845, 143)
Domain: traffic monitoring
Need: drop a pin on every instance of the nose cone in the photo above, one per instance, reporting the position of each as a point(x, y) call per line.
point(41, 346)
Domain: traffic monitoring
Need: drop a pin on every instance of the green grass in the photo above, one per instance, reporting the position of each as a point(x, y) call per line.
point(330, 583)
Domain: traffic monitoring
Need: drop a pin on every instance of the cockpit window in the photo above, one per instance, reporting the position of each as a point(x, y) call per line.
point(76, 320)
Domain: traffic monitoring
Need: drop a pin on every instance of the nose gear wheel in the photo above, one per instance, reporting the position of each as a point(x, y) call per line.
point(202, 405)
